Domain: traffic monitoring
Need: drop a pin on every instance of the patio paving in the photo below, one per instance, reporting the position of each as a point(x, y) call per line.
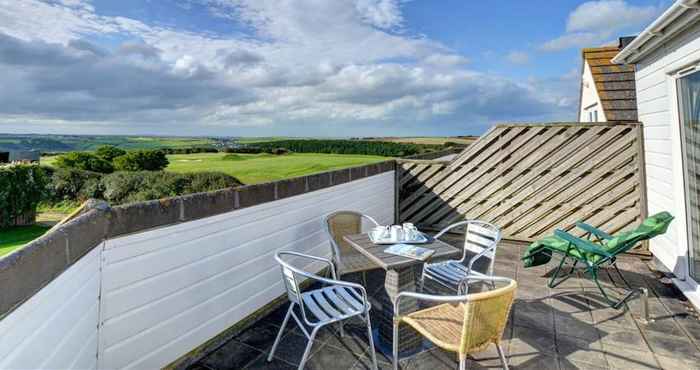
point(569, 327)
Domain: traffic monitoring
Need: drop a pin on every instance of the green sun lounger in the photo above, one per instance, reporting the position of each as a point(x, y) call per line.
point(597, 249)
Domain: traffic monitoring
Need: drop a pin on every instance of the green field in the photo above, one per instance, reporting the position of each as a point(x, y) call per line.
point(256, 168)
point(15, 237)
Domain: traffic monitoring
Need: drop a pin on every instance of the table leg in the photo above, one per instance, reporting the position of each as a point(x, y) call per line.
point(396, 281)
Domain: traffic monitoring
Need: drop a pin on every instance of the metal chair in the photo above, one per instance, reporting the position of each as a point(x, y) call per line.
point(481, 238)
point(346, 258)
point(338, 301)
point(463, 323)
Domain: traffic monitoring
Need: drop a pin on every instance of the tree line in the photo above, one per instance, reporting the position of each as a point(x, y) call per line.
point(366, 147)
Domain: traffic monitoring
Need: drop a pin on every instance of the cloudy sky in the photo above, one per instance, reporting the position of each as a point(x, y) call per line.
point(298, 67)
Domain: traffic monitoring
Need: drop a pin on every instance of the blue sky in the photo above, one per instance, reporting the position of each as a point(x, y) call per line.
point(302, 68)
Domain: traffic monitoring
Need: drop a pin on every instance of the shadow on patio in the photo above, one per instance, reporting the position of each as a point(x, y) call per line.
point(569, 327)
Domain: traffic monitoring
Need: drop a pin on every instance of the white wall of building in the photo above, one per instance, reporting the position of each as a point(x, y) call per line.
point(168, 290)
point(658, 111)
point(590, 101)
point(57, 327)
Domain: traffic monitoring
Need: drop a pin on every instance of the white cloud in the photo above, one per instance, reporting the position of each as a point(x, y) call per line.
point(518, 57)
point(311, 67)
point(596, 22)
point(380, 13)
point(446, 60)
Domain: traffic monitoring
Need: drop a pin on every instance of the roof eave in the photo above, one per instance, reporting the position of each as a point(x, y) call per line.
point(681, 14)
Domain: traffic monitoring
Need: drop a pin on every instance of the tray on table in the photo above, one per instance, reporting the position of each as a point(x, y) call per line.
point(422, 240)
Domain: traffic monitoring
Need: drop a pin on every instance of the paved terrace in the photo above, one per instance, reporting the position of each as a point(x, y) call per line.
point(568, 327)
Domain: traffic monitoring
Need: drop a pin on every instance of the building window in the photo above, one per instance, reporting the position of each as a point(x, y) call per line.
point(595, 115)
point(689, 113)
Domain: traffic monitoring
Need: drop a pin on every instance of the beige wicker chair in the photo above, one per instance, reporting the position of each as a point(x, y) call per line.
point(346, 258)
point(464, 324)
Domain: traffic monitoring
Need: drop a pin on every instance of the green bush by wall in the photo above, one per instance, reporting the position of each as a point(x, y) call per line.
point(22, 187)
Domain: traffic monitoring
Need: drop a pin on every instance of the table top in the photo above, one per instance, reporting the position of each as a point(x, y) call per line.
point(388, 261)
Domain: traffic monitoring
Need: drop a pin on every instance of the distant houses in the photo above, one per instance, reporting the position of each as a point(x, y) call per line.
point(20, 156)
point(607, 90)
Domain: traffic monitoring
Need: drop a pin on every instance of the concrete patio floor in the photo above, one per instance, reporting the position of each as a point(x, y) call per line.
point(569, 327)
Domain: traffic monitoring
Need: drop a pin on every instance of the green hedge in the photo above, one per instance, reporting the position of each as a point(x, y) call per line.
point(131, 186)
point(22, 187)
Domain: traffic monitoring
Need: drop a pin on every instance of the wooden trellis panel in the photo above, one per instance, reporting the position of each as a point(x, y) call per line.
point(532, 179)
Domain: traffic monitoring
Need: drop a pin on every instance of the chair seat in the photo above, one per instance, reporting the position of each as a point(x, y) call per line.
point(353, 261)
point(334, 303)
point(441, 324)
point(449, 272)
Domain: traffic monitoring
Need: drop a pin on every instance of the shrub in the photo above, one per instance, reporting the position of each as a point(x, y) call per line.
point(129, 187)
point(109, 152)
point(141, 160)
point(84, 161)
point(279, 151)
point(22, 187)
point(209, 181)
point(244, 150)
point(72, 184)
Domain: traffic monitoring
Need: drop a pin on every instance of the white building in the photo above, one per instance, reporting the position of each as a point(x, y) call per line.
point(667, 59)
point(607, 89)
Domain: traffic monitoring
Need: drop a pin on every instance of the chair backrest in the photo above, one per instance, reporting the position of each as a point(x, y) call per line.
point(481, 237)
point(340, 224)
point(290, 278)
point(651, 226)
point(486, 316)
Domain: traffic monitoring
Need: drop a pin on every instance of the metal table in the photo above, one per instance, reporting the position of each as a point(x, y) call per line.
point(401, 274)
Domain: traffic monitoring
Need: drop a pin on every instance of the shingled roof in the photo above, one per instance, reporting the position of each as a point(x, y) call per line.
point(614, 83)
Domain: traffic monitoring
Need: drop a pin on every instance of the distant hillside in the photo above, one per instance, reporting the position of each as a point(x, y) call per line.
point(63, 143)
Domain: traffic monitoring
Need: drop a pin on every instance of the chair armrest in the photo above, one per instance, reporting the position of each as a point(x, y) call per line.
point(315, 258)
point(448, 228)
point(463, 287)
point(372, 220)
point(425, 297)
point(479, 255)
point(581, 244)
point(593, 230)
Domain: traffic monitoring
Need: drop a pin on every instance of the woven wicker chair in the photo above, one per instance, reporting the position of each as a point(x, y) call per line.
point(465, 323)
point(346, 258)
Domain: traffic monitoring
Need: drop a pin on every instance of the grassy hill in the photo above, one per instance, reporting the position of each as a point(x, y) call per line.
point(256, 168)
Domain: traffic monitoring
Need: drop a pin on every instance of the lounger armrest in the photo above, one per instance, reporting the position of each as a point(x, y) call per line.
point(593, 230)
point(581, 244)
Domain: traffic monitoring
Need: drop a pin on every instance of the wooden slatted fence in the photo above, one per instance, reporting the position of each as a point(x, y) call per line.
point(532, 179)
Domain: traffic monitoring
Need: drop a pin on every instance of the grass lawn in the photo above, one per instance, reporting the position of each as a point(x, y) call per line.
point(256, 168)
point(15, 237)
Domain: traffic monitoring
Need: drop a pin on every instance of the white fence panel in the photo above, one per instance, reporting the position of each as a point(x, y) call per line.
point(57, 327)
point(169, 290)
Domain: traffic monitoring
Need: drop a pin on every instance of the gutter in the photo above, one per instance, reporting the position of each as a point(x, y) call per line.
point(673, 20)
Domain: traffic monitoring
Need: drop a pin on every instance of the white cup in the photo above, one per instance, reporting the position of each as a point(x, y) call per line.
point(379, 232)
point(396, 233)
